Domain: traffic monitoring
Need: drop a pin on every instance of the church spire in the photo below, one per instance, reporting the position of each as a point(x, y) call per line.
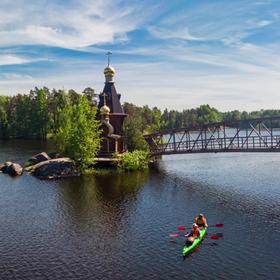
point(109, 96)
point(109, 71)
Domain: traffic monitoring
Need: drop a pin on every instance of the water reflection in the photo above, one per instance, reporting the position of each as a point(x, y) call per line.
point(117, 227)
point(20, 150)
point(101, 200)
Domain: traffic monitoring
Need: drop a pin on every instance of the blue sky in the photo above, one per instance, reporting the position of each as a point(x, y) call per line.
point(176, 54)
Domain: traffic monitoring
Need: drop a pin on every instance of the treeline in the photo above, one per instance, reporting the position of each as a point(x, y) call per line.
point(190, 117)
point(36, 115)
point(151, 120)
point(68, 118)
point(144, 120)
point(140, 120)
point(205, 114)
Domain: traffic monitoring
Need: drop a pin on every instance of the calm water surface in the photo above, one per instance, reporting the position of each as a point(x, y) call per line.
point(117, 227)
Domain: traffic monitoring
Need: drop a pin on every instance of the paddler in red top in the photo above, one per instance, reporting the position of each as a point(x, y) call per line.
point(195, 233)
point(201, 221)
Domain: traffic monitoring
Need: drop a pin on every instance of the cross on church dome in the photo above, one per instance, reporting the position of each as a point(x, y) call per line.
point(109, 71)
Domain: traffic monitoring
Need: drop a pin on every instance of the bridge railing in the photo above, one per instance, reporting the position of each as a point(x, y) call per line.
point(248, 136)
point(241, 144)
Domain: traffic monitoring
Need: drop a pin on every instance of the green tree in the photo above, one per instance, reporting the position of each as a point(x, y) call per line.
point(79, 133)
point(206, 114)
point(3, 117)
point(73, 96)
point(57, 100)
point(134, 126)
point(23, 126)
point(133, 136)
point(89, 93)
point(40, 114)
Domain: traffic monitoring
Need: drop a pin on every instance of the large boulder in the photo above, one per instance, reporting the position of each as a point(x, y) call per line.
point(13, 169)
point(5, 165)
point(37, 158)
point(55, 168)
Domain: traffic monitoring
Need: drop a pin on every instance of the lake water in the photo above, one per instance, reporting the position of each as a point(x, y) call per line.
point(117, 227)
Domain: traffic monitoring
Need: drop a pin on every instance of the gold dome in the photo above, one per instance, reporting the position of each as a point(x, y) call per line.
point(105, 110)
point(109, 71)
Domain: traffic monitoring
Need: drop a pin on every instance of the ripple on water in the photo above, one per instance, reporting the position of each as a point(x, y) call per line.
point(117, 227)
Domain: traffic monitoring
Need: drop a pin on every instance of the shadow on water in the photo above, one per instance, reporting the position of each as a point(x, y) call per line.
point(102, 200)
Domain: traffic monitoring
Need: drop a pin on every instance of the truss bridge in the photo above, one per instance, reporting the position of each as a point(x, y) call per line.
point(251, 135)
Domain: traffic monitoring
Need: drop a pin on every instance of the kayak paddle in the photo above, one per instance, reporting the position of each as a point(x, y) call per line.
point(216, 225)
point(183, 228)
point(220, 234)
point(214, 236)
point(174, 234)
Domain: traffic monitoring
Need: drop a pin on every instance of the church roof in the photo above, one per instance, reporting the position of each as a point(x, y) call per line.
point(112, 99)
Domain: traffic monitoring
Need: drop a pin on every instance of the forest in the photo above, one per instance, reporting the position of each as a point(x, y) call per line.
point(37, 115)
point(40, 114)
point(145, 120)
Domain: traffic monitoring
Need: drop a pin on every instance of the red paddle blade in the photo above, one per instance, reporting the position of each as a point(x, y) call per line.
point(214, 237)
point(174, 234)
point(219, 225)
point(181, 228)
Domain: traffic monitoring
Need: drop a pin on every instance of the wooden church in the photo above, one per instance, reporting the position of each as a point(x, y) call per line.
point(111, 115)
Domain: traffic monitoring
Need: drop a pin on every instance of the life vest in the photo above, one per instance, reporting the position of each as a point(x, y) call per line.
point(195, 232)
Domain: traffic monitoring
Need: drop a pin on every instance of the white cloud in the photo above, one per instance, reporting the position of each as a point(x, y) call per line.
point(210, 63)
point(229, 22)
point(77, 24)
point(263, 23)
point(147, 83)
point(245, 59)
point(12, 77)
point(12, 59)
point(179, 33)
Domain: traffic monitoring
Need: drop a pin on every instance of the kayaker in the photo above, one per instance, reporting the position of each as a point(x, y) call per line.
point(195, 233)
point(201, 221)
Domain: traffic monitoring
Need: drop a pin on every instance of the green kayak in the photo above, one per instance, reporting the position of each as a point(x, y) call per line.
point(197, 241)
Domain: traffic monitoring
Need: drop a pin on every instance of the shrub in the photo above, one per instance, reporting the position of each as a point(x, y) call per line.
point(136, 160)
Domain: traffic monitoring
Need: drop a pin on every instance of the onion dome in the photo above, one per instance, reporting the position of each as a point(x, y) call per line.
point(109, 73)
point(105, 110)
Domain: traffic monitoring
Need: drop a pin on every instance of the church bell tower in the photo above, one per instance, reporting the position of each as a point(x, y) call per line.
point(111, 115)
